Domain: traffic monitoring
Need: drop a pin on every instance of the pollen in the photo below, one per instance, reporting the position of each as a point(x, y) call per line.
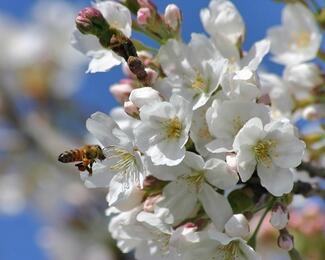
point(196, 178)
point(199, 83)
point(301, 40)
point(263, 149)
point(173, 128)
point(229, 252)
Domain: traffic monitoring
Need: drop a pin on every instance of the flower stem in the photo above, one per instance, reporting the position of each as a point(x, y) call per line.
point(252, 240)
point(294, 254)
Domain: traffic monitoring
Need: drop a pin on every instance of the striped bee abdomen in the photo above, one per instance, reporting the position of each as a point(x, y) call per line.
point(71, 156)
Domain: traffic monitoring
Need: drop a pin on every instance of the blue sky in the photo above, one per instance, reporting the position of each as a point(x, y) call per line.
point(18, 233)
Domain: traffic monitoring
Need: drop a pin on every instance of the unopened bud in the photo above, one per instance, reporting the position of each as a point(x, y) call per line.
point(121, 92)
point(143, 15)
point(150, 202)
point(152, 75)
point(144, 96)
point(279, 216)
point(147, 3)
point(173, 16)
point(131, 109)
point(91, 21)
point(285, 240)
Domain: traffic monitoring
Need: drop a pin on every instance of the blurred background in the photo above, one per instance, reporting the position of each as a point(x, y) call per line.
point(45, 99)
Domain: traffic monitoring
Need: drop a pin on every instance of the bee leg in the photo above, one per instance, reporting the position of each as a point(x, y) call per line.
point(90, 168)
point(81, 167)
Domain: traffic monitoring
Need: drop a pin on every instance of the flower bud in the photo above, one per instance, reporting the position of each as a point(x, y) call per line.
point(143, 15)
point(144, 96)
point(150, 202)
point(172, 16)
point(131, 109)
point(285, 240)
point(121, 92)
point(90, 21)
point(147, 3)
point(279, 216)
point(237, 226)
point(152, 76)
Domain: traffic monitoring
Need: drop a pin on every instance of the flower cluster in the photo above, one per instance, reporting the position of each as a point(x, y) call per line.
point(204, 138)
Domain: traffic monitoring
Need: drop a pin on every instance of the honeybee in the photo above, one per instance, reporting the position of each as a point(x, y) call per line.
point(86, 156)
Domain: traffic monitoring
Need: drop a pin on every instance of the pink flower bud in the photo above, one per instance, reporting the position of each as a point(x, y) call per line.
point(152, 75)
point(279, 216)
point(131, 109)
point(90, 21)
point(150, 202)
point(121, 92)
point(147, 3)
point(143, 15)
point(285, 240)
point(173, 16)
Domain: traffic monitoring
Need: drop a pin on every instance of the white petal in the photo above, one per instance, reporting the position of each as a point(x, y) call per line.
point(86, 44)
point(122, 196)
point(154, 221)
point(251, 132)
point(219, 146)
point(164, 172)
point(144, 96)
point(276, 180)
point(219, 174)
point(237, 226)
point(103, 61)
point(166, 153)
point(100, 178)
point(194, 161)
point(246, 162)
point(248, 252)
point(288, 152)
point(117, 15)
point(178, 200)
point(101, 126)
point(215, 205)
point(256, 54)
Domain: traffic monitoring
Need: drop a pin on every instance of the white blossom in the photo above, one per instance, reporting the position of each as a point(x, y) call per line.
point(193, 71)
point(222, 19)
point(272, 149)
point(122, 169)
point(193, 181)
point(226, 119)
point(163, 131)
point(298, 39)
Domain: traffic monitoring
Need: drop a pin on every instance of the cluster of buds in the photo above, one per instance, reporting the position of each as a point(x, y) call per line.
point(91, 21)
point(164, 26)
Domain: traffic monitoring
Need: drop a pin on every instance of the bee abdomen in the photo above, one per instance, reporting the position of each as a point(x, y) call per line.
point(71, 156)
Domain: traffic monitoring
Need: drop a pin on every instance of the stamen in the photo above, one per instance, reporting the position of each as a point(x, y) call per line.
point(173, 128)
point(195, 179)
point(301, 40)
point(230, 251)
point(126, 164)
point(262, 151)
